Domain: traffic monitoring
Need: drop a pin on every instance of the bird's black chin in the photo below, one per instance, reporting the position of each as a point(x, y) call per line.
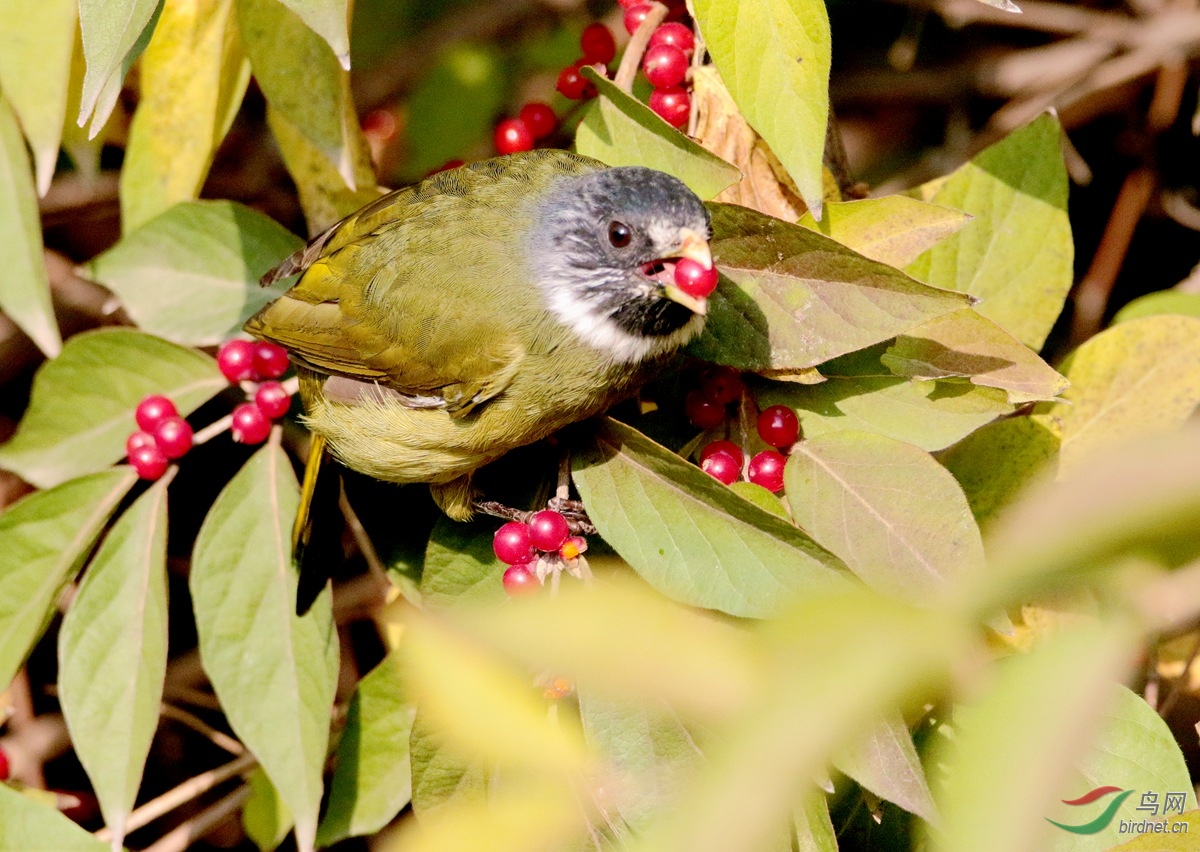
point(651, 316)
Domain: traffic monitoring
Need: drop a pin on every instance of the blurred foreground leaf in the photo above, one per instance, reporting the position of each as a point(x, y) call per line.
point(26, 823)
point(83, 401)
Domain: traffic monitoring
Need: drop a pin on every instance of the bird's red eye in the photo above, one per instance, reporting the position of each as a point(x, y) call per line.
point(619, 234)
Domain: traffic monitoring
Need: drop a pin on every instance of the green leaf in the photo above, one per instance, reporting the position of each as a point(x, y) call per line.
point(328, 19)
point(1163, 302)
point(1138, 378)
point(650, 753)
point(302, 79)
point(113, 656)
point(25, 287)
point(893, 514)
point(35, 72)
point(115, 32)
point(885, 762)
point(265, 817)
point(894, 229)
point(1016, 254)
point(620, 130)
point(861, 394)
point(191, 274)
point(1009, 761)
point(460, 565)
point(274, 672)
point(83, 401)
point(1133, 749)
point(966, 345)
point(453, 107)
point(689, 536)
point(760, 497)
point(44, 539)
point(774, 57)
point(790, 298)
point(373, 778)
point(193, 74)
point(26, 823)
point(998, 461)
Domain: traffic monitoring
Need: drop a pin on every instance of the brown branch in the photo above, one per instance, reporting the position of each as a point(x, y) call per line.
point(181, 837)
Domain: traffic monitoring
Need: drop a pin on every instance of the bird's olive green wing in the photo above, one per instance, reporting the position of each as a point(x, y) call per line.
point(426, 290)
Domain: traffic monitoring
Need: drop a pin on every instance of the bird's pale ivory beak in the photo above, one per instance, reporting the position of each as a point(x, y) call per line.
point(694, 247)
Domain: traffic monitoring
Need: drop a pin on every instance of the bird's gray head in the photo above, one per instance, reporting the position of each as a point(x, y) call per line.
point(603, 252)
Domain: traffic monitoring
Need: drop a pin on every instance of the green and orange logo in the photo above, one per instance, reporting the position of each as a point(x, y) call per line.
point(1101, 822)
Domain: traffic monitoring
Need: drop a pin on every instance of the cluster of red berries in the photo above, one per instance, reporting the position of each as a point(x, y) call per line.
point(723, 460)
point(535, 122)
point(162, 437)
point(260, 362)
point(531, 550)
point(665, 63)
point(598, 48)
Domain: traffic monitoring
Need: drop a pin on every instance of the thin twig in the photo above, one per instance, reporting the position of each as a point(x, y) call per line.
point(181, 837)
point(636, 48)
point(218, 738)
point(183, 793)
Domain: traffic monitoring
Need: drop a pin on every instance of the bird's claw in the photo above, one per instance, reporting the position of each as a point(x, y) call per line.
point(573, 511)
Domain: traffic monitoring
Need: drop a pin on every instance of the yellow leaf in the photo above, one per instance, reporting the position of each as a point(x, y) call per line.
point(194, 73)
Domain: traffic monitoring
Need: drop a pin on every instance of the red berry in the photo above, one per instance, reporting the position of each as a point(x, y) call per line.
point(727, 447)
point(153, 410)
point(766, 469)
point(676, 35)
point(512, 543)
point(445, 167)
point(693, 279)
point(5, 770)
point(629, 4)
point(149, 462)
point(512, 136)
point(548, 530)
point(723, 384)
point(703, 413)
point(539, 118)
point(634, 15)
point(598, 44)
point(174, 437)
point(520, 581)
point(665, 66)
point(138, 440)
point(671, 105)
point(270, 360)
point(722, 467)
point(573, 85)
point(236, 360)
point(272, 399)
point(778, 426)
point(250, 425)
point(380, 124)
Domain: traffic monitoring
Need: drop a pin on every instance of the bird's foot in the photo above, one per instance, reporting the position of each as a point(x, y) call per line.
point(573, 511)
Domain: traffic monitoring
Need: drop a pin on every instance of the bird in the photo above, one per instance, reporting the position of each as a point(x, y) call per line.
point(482, 309)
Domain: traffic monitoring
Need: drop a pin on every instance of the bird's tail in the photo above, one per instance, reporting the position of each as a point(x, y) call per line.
point(316, 555)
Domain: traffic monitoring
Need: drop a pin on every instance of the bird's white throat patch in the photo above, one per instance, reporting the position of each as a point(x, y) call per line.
point(589, 319)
